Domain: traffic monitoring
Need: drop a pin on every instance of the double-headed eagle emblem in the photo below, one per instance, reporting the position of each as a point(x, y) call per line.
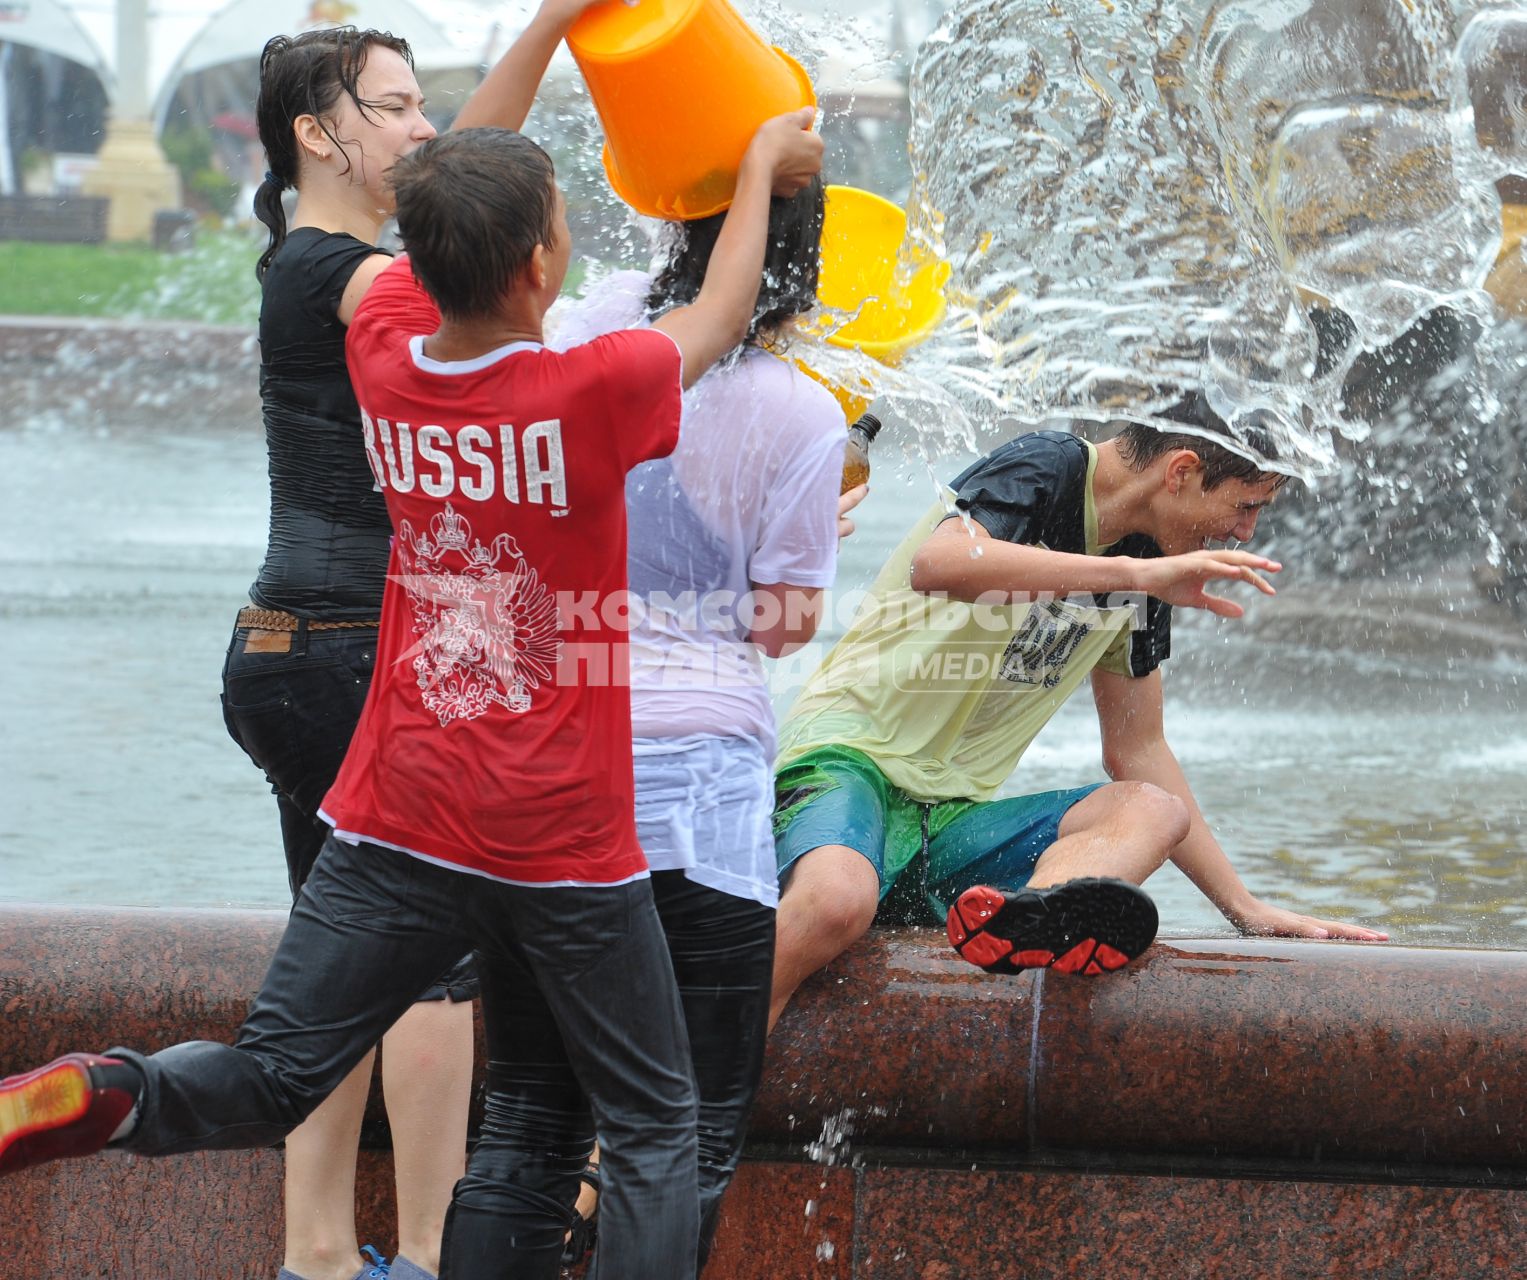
point(487, 627)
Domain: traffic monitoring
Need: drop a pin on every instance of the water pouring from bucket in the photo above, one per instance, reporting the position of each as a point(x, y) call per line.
point(680, 87)
point(877, 302)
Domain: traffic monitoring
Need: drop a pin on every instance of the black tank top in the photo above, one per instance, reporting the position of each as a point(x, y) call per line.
point(327, 553)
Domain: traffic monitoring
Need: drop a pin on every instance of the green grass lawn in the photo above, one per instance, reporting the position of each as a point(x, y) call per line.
point(214, 283)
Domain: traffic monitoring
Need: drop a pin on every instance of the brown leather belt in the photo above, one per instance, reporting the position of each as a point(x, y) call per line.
point(275, 620)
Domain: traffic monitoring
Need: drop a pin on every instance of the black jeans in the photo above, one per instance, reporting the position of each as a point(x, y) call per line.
point(723, 957)
point(585, 1035)
point(293, 707)
point(294, 711)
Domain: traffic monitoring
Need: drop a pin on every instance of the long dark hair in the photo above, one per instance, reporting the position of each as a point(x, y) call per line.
point(299, 76)
point(791, 262)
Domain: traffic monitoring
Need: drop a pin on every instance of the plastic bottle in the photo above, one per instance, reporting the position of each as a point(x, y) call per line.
point(856, 458)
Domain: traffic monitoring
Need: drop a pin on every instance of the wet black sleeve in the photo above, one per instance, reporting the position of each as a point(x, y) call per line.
point(1150, 638)
point(1029, 491)
point(1151, 645)
point(329, 268)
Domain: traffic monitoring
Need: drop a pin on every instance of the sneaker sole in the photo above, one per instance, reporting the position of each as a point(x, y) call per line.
point(45, 1099)
point(1086, 927)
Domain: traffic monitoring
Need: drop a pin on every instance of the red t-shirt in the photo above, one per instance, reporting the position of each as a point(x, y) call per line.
point(497, 734)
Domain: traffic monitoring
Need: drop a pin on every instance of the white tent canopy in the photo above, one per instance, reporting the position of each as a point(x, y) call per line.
point(240, 31)
point(53, 28)
point(187, 36)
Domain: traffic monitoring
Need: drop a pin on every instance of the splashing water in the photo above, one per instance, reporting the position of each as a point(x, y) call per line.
point(1289, 203)
point(832, 1146)
point(1138, 197)
point(851, 55)
point(1490, 72)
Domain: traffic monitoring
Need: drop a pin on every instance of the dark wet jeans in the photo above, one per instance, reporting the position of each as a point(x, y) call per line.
point(723, 958)
point(293, 706)
point(584, 1029)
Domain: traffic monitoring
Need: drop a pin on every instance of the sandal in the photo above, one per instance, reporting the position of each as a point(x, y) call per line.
point(585, 1231)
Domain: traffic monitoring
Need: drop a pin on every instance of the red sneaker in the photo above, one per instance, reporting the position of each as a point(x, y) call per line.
point(70, 1107)
point(1081, 926)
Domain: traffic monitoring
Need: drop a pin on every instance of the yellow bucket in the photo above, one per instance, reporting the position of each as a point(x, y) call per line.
point(861, 237)
point(681, 86)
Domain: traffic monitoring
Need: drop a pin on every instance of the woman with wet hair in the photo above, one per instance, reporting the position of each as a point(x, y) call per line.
point(732, 540)
point(337, 108)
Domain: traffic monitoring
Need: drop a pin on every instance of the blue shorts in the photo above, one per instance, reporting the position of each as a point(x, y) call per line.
point(835, 795)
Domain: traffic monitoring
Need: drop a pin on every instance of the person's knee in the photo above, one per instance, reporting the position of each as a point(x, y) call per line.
point(1153, 809)
point(666, 1117)
point(432, 1038)
point(831, 899)
point(1169, 813)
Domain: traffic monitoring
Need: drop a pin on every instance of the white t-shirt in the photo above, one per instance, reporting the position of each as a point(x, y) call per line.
point(749, 495)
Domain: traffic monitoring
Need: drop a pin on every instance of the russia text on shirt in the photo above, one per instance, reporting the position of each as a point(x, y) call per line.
point(531, 455)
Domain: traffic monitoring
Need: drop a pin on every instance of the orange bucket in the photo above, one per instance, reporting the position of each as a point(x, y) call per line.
point(681, 86)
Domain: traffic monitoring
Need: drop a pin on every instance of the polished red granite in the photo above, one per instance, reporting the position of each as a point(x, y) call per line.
point(194, 1217)
point(1316, 1052)
point(93, 978)
point(900, 1042)
point(782, 1220)
point(933, 1225)
point(73, 978)
point(1324, 1053)
point(1250, 1109)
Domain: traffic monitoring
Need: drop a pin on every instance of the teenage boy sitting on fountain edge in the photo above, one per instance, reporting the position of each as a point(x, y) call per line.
point(1064, 560)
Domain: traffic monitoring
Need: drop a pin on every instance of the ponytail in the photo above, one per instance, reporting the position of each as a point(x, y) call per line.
point(269, 210)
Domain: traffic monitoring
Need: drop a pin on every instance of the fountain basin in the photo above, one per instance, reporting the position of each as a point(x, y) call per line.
point(1227, 1107)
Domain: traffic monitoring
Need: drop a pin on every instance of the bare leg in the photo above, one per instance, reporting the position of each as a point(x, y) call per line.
point(1124, 829)
point(320, 1183)
point(427, 1081)
point(827, 905)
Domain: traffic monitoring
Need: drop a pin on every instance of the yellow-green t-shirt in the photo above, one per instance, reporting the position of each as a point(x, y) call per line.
point(946, 695)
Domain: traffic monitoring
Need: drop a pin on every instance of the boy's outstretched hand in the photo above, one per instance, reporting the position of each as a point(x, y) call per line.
point(1261, 920)
point(1184, 579)
point(788, 149)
